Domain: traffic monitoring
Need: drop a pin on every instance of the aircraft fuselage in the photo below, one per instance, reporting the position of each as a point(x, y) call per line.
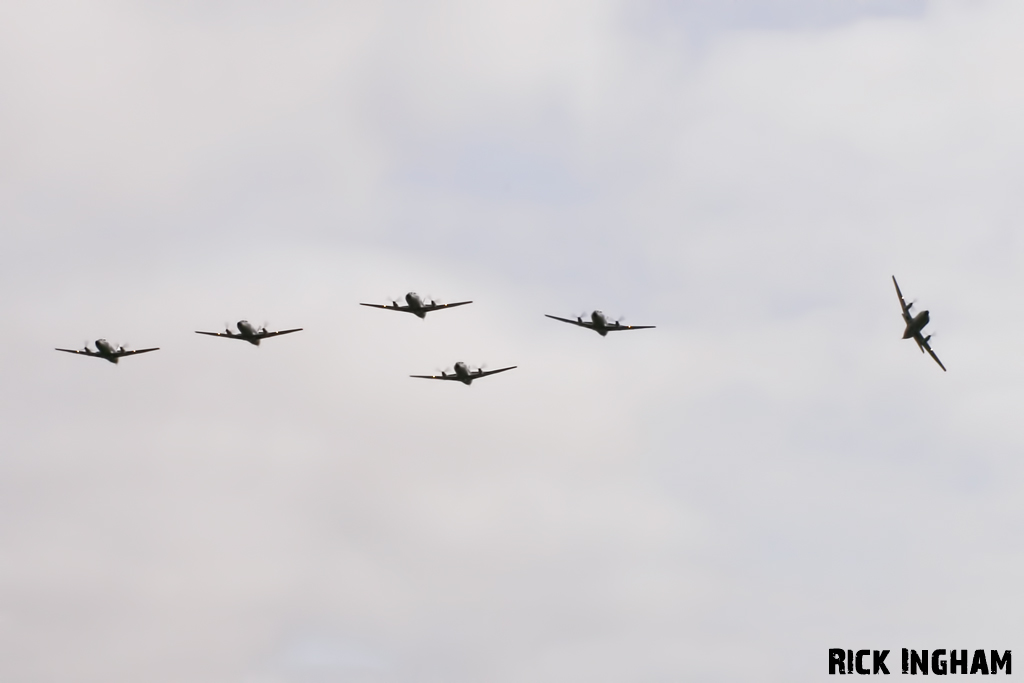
point(463, 373)
point(915, 325)
point(600, 323)
point(106, 350)
point(247, 332)
point(415, 304)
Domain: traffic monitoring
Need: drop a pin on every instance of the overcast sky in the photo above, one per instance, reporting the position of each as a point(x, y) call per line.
point(770, 473)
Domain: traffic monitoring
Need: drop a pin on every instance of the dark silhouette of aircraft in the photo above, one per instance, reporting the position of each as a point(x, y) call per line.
point(246, 332)
point(464, 374)
point(416, 305)
point(915, 324)
point(107, 351)
point(600, 324)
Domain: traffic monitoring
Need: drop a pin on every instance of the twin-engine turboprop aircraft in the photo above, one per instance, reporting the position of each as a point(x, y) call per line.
point(464, 374)
point(247, 332)
point(416, 305)
point(107, 351)
point(915, 324)
point(600, 324)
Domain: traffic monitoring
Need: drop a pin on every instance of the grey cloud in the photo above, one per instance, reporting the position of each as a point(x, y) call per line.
point(770, 472)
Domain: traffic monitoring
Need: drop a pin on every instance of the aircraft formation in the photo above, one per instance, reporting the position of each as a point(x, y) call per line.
point(416, 305)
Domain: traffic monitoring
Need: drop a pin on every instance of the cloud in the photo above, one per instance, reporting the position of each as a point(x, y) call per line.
point(770, 472)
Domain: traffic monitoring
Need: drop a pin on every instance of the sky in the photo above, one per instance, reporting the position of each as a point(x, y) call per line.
point(770, 473)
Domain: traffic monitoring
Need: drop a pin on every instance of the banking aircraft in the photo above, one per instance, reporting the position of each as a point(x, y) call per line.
point(464, 374)
point(246, 332)
point(107, 351)
point(914, 326)
point(416, 305)
point(600, 324)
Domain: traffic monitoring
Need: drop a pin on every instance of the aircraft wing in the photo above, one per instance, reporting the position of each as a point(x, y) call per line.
point(903, 304)
point(448, 376)
point(438, 307)
point(386, 307)
point(227, 335)
point(578, 323)
point(123, 352)
point(478, 375)
point(80, 352)
point(613, 327)
point(923, 343)
point(274, 334)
